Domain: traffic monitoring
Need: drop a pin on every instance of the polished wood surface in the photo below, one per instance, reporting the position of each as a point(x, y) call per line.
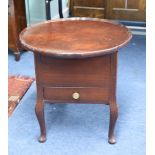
point(58, 94)
point(74, 73)
point(68, 69)
point(109, 9)
point(16, 23)
point(75, 37)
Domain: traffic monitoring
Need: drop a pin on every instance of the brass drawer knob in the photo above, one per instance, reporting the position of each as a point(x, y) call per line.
point(76, 95)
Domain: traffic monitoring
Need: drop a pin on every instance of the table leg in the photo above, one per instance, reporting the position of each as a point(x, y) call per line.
point(112, 102)
point(113, 118)
point(39, 110)
point(17, 56)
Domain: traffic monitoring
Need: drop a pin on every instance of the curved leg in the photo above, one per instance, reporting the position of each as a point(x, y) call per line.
point(112, 102)
point(113, 118)
point(39, 109)
point(17, 56)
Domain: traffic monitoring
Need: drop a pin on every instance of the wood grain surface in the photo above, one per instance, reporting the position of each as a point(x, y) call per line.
point(76, 62)
point(75, 37)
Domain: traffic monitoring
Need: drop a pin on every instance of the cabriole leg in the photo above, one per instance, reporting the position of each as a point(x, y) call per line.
point(39, 109)
point(113, 118)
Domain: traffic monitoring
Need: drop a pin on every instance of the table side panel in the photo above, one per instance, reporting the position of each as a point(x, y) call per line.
point(88, 72)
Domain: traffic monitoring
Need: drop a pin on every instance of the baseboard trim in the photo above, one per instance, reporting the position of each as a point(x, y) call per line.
point(137, 28)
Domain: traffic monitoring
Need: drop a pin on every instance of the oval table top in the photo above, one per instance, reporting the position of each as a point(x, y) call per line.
point(75, 37)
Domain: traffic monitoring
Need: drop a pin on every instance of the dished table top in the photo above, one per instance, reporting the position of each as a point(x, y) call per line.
point(75, 37)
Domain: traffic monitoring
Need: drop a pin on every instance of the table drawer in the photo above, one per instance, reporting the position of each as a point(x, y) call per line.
point(81, 94)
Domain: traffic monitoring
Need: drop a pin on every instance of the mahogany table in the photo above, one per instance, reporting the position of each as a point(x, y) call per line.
point(76, 62)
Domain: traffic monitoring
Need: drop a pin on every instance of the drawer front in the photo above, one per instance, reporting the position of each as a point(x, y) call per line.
point(76, 95)
point(88, 72)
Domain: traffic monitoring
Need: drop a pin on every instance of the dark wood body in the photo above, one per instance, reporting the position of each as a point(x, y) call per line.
point(93, 78)
point(16, 23)
point(76, 62)
point(60, 78)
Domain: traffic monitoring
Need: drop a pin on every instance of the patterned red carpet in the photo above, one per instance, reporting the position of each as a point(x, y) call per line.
point(17, 87)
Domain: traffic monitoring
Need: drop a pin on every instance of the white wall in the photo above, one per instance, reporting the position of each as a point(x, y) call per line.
point(54, 8)
point(35, 10)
